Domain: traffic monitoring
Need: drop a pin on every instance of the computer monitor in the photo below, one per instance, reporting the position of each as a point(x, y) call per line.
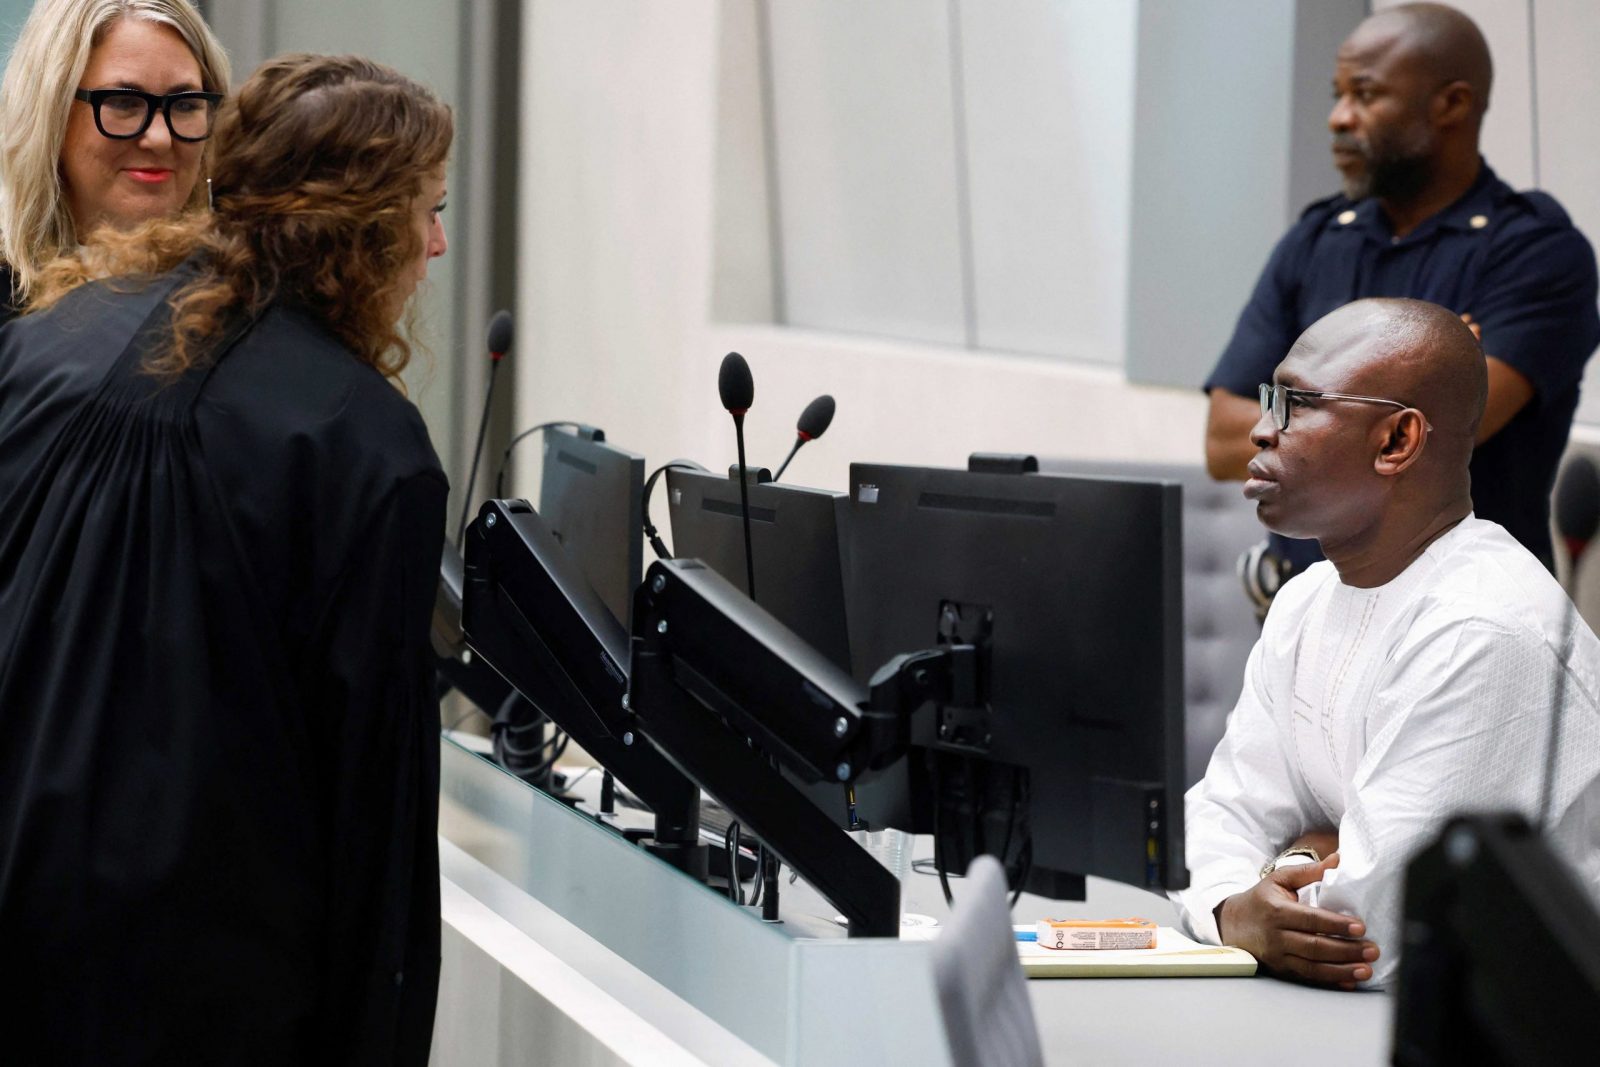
point(589, 497)
point(794, 535)
point(1501, 962)
point(1065, 756)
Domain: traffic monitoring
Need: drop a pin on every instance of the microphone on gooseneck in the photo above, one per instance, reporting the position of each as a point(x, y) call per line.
point(738, 391)
point(499, 343)
point(814, 420)
point(1577, 506)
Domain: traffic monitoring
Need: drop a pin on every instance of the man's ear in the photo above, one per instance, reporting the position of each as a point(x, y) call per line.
point(1402, 437)
point(1453, 104)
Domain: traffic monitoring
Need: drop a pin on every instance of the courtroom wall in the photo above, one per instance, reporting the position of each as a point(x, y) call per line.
point(856, 210)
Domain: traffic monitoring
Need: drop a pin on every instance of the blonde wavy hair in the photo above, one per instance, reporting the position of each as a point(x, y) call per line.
point(45, 68)
point(319, 164)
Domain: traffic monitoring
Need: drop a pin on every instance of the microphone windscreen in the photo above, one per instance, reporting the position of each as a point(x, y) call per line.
point(1577, 502)
point(734, 384)
point(815, 418)
point(500, 333)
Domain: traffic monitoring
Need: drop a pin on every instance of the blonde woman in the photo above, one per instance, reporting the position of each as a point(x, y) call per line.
point(104, 115)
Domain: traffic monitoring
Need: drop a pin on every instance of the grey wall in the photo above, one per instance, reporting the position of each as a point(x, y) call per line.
point(1094, 180)
point(1230, 143)
point(950, 173)
point(1541, 127)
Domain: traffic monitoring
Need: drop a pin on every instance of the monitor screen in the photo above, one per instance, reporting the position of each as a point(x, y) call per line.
point(794, 536)
point(589, 497)
point(1073, 587)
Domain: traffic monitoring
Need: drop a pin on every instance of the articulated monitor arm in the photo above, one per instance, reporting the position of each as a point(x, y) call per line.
point(529, 612)
point(722, 688)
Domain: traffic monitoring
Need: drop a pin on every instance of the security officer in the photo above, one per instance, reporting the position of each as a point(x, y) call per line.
point(1423, 216)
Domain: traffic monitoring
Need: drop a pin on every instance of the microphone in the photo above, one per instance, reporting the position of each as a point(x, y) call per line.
point(1577, 506)
point(499, 343)
point(735, 386)
point(738, 391)
point(814, 420)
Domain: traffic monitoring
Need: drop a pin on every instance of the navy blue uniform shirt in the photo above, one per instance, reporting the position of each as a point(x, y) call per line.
point(1511, 260)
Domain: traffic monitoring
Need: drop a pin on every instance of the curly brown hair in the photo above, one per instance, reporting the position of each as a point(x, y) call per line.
point(319, 161)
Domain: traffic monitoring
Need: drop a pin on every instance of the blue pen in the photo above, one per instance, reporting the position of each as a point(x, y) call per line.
point(1027, 935)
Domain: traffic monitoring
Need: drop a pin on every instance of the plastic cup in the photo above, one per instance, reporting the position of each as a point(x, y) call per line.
point(892, 848)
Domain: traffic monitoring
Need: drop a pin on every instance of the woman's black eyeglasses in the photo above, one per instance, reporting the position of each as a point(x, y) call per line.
point(123, 114)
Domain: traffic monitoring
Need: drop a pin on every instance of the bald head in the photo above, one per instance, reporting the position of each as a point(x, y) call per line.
point(1442, 42)
point(1418, 353)
point(1367, 440)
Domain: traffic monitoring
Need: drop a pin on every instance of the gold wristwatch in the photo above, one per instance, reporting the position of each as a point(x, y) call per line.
point(1299, 850)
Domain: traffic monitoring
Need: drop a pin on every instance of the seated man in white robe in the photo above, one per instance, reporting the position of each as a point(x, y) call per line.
point(1410, 677)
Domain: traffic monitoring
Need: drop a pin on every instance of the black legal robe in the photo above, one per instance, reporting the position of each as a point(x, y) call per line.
point(218, 740)
point(8, 308)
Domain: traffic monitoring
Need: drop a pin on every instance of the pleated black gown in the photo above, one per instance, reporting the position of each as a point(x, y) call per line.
point(218, 742)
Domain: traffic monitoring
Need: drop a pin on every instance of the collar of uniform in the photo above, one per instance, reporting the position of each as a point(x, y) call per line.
point(1368, 219)
point(1478, 201)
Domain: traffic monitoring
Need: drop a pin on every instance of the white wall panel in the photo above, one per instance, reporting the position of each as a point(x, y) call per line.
point(424, 43)
point(1049, 121)
point(866, 158)
point(1211, 176)
point(1508, 130)
point(744, 286)
point(1567, 39)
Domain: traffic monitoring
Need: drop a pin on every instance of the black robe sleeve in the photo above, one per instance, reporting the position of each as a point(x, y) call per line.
point(382, 962)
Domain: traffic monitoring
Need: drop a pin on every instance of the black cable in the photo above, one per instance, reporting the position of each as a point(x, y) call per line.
point(759, 884)
point(651, 533)
point(505, 457)
point(938, 835)
point(477, 453)
point(744, 510)
point(555, 756)
point(1026, 861)
point(730, 844)
point(1019, 813)
point(513, 752)
point(517, 758)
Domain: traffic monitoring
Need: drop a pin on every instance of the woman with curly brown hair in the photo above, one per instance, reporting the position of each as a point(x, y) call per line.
point(220, 526)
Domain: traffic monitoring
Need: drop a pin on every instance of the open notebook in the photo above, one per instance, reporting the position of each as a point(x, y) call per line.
point(1175, 956)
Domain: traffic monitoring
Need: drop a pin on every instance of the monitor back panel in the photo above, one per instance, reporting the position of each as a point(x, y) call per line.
point(794, 534)
point(1083, 577)
point(590, 499)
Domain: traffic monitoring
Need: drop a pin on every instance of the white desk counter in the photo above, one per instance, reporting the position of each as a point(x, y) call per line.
point(565, 944)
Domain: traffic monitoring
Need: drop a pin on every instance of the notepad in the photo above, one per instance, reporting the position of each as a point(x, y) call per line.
point(1175, 956)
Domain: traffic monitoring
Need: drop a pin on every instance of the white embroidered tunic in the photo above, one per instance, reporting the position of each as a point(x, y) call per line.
point(1383, 712)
